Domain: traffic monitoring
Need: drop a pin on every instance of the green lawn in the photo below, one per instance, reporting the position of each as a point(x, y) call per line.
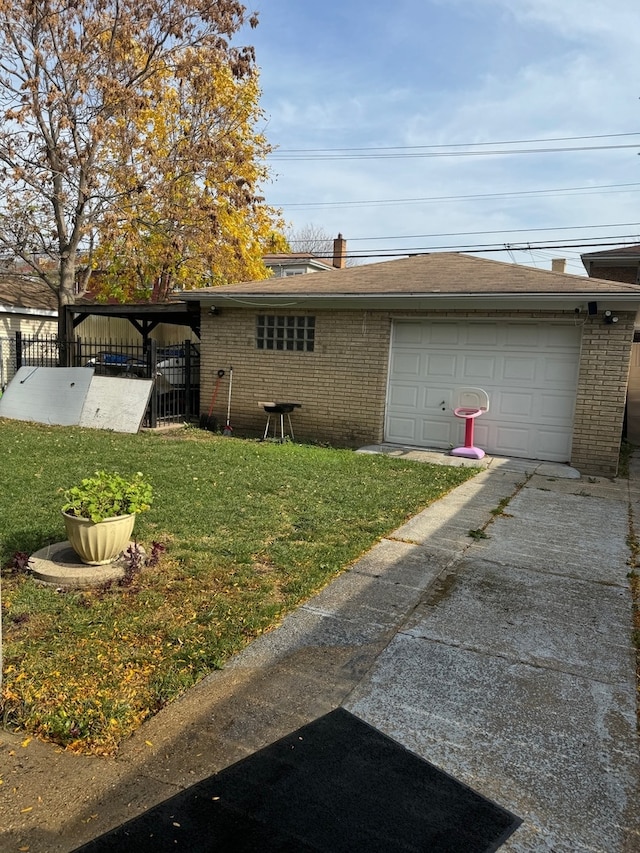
point(251, 529)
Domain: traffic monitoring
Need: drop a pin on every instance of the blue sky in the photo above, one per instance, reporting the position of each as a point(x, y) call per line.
point(465, 73)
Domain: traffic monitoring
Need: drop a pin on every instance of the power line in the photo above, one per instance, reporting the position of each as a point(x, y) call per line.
point(588, 190)
point(502, 231)
point(456, 144)
point(479, 233)
point(436, 154)
point(523, 246)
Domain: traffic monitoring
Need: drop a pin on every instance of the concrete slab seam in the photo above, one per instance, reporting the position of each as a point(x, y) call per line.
point(512, 659)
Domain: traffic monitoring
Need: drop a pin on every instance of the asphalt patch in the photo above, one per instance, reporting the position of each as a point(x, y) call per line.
point(335, 785)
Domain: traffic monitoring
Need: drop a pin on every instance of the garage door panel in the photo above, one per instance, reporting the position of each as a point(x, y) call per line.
point(481, 433)
point(559, 370)
point(406, 364)
point(436, 398)
point(512, 404)
point(403, 429)
point(478, 369)
point(553, 442)
point(513, 440)
point(561, 337)
point(529, 370)
point(523, 336)
point(446, 335)
point(408, 333)
point(554, 407)
point(516, 369)
point(482, 335)
point(404, 396)
point(440, 366)
point(435, 429)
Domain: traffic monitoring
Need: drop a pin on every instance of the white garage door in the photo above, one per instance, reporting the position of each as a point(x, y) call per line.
point(529, 370)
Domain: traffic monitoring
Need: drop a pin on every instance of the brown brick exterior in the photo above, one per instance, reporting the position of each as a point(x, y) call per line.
point(628, 274)
point(602, 393)
point(342, 384)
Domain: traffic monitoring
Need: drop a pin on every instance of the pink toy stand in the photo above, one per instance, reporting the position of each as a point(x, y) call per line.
point(468, 450)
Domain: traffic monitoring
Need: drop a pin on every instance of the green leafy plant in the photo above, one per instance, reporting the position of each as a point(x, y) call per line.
point(106, 495)
point(478, 534)
point(502, 505)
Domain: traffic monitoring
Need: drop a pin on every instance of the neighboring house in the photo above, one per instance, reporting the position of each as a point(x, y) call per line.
point(286, 264)
point(294, 263)
point(621, 264)
point(378, 353)
point(26, 306)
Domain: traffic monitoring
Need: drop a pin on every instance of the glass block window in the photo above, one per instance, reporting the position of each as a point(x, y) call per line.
point(296, 334)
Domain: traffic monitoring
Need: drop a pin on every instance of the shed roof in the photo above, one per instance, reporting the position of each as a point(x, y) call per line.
point(21, 291)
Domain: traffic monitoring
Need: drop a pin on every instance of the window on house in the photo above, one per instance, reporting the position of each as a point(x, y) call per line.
point(296, 334)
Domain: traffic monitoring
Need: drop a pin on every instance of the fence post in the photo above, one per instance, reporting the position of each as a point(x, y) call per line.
point(18, 350)
point(187, 380)
point(152, 362)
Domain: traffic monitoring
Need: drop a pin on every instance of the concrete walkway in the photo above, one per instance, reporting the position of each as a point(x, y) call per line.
point(506, 661)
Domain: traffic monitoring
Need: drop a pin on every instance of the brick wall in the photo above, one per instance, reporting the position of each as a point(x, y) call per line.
point(628, 274)
point(602, 392)
point(342, 384)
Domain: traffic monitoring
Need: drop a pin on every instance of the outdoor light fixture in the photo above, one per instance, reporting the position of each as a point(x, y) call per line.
point(213, 310)
point(609, 317)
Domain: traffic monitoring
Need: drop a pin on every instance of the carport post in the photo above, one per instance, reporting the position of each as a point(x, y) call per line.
point(18, 351)
point(152, 366)
point(187, 379)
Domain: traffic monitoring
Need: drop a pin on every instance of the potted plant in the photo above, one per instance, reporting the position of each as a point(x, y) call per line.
point(100, 512)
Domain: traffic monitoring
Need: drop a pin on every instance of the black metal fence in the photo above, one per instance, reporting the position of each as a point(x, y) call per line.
point(175, 369)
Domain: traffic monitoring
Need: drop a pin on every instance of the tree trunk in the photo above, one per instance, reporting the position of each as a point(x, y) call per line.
point(66, 296)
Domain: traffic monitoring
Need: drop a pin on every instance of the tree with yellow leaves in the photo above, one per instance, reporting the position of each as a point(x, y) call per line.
point(129, 144)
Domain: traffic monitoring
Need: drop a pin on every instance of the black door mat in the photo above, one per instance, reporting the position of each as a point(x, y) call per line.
point(335, 785)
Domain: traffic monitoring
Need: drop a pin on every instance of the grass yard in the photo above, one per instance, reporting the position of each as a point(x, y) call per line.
point(250, 530)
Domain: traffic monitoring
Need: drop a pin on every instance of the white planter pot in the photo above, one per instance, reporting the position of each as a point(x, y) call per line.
point(98, 543)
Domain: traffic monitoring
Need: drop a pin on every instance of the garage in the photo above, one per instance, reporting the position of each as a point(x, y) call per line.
point(529, 370)
point(393, 343)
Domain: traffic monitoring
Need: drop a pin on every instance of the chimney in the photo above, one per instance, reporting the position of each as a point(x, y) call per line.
point(340, 252)
point(557, 264)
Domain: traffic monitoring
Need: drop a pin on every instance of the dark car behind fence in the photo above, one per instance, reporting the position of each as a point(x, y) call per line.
point(175, 369)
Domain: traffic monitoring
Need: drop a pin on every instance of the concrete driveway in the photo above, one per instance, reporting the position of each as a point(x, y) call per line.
point(515, 672)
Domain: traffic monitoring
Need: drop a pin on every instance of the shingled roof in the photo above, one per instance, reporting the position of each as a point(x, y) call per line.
point(443, 273)
point(621, 251)
point(18, 291)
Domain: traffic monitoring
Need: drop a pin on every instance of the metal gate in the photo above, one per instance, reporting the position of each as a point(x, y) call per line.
point(175, 369)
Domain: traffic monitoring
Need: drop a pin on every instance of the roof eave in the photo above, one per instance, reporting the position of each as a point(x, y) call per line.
point(31, 312)
point(422, 301)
